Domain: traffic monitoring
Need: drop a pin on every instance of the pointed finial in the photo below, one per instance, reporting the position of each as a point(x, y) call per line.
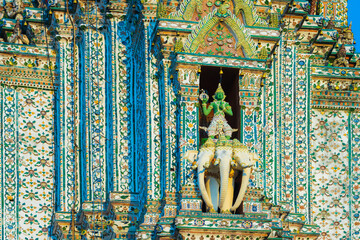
point(219, 89)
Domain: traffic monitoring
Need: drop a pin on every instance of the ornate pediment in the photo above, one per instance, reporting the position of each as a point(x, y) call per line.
point(221, 33)
point(220, 27)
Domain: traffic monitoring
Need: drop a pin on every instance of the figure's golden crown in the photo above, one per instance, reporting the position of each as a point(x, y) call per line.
point(219, 89)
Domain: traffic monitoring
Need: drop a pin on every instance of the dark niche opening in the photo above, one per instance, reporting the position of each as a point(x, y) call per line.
point(209, 80)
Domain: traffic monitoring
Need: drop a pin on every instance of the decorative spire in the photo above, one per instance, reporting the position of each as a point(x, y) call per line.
point(219, 89)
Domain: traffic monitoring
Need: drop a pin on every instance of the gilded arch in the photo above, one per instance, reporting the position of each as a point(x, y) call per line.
point(236, 28)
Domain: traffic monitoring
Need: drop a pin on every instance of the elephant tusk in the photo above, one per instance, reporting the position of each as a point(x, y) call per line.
point(204, 157)
point(204, 193)
point(243, 188)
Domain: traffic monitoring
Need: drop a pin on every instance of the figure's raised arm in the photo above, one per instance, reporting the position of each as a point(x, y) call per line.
point(206, 109)
point(228, 109)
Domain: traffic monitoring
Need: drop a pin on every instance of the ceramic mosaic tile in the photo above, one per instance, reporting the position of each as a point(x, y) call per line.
point(100, 114)
point(330, 173)
point(28, 163)
point(336, 9)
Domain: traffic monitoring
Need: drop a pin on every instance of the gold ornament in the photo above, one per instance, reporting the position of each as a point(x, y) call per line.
point(219, 90)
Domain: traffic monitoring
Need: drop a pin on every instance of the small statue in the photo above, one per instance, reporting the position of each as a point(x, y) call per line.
point(331, 24)
point(220, 108)
point(348, 35)
point(17, 36)
point(341, 60)
point(263, 53)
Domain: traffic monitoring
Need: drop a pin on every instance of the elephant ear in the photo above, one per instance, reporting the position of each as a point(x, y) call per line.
point(241, 155)
point(254, 157)
point(244, 185)
point(191, 155)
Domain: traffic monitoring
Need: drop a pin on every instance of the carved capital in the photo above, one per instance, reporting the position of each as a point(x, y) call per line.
point(118, 9)
point(150, 10)
point(189, 74)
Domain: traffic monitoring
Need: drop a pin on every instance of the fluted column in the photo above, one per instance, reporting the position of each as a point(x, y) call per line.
point(94, 113)
point(120, 75)
point(67, 118)
point(67, 194)
point(171, 89)
point(170, 125)
point(124, 198)
point(189, 78)
point(153, 78)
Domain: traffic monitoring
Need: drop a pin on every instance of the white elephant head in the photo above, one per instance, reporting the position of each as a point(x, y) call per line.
point(242, 157)
point(224, 160)
point(191, 156)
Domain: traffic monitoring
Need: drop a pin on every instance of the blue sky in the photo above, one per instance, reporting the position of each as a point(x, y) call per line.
point(354, 16)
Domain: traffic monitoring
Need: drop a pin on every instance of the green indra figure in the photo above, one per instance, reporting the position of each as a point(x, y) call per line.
point(220, 108)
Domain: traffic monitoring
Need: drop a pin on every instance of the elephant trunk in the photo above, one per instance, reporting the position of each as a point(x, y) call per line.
point(225, 156)
point(244, 184)
point(203, 191)
point(204, 157)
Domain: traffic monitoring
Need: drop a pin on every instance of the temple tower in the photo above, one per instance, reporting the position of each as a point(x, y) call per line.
point(191, 119)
